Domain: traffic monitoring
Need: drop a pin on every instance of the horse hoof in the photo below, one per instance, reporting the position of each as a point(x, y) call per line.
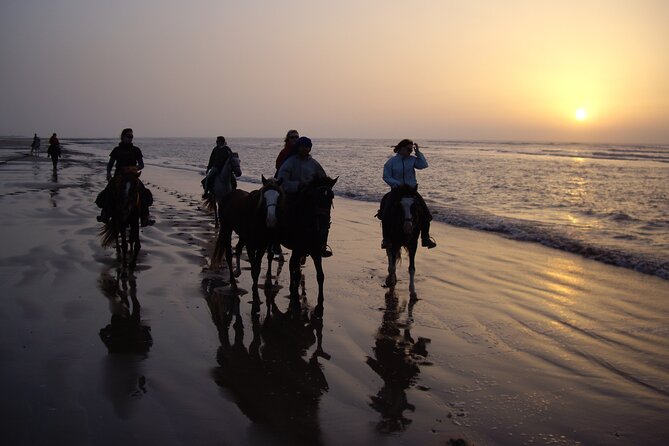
point(238, 272)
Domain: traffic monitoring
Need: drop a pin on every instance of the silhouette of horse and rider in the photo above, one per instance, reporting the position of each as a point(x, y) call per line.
point(124, 201)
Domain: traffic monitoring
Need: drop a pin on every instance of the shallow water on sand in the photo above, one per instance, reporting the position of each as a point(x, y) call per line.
point(509, 343)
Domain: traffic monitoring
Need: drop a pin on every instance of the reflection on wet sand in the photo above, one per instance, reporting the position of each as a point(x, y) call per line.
point(272, 381)
point(397, 357)
point(53, 191)
point(128, 340)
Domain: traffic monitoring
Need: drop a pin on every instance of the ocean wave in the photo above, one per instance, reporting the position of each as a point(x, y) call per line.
point(551, 236)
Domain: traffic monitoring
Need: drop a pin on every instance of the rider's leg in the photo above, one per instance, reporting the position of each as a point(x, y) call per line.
point(102, 201)
point(326, 251)
point(146, 200)
point(426, 240)
point(386, 203)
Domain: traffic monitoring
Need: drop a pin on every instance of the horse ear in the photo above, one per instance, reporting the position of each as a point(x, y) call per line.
point(334, 181)
point(264, 181)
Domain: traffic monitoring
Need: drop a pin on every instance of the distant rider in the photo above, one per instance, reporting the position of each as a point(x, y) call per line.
point(54, 150)
point(219, 155)
point(400, 170)
point(34, 147)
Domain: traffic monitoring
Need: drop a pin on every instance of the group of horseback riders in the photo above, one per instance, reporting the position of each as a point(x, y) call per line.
point(295, 167)
point(54, 151)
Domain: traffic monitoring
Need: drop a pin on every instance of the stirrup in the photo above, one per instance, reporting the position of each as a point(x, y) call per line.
point(326, 251)
point(429, 243)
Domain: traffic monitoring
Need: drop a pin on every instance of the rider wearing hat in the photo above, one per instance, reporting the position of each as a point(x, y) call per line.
point(299, 170)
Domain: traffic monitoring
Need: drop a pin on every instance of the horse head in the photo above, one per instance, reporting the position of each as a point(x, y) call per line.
point(272, 195)
point(127, 191)
point(318, 195)
point(406, 196)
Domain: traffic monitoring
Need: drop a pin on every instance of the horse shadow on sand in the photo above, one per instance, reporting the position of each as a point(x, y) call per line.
point(277, 380)
point(127, 339)
point(397, 360)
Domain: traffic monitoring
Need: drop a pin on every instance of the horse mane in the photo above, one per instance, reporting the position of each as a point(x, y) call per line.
point(321, 181)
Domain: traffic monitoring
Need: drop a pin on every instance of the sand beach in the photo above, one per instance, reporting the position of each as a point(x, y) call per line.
point(508, 343)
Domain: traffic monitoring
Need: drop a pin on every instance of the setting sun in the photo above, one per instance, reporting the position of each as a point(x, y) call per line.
point(581, 114)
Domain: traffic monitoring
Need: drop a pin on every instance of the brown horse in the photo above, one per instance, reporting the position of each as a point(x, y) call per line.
point(307, 229)
point(403, 223)
point(254, 217)
point(124, 221)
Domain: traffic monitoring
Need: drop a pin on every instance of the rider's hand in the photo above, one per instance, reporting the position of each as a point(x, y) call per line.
point(415, 146)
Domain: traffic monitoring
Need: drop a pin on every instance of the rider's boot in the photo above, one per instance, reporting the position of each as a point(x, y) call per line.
point(326, 251)
point(103, 217)
point(428, 241)
point(145, 220)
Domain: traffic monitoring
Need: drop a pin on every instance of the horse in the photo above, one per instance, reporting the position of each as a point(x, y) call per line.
point(403, 223)
point(254, 217)
point(125, 212)
point(306, 232)
point(223, 185)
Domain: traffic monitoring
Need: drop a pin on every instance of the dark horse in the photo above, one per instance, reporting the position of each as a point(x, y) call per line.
point(307, 229)
point(124, 221)
point(254, 217)
point(403, 223)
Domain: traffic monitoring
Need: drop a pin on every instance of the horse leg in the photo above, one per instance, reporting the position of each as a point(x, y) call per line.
point(295, 272)
point(135, 244)
point(391, 279)
point(255, 260)
point(238, 254)
point(320, 276)
point(226, 233)
point(270, 258)
point(124, 247)
point(413, 246)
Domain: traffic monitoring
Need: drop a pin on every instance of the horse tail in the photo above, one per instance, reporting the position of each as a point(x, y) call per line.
point(210, 203)
point(108, 234)
point(220, 248)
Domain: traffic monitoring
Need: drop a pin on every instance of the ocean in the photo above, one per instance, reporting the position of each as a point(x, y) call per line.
point(605, 202)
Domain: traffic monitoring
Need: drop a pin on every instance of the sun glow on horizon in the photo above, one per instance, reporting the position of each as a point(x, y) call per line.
point(581, 114)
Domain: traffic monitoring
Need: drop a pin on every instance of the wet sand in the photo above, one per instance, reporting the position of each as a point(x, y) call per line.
point(508, 343)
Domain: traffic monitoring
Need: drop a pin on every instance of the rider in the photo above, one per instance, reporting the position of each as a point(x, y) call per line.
point(35, 145)
point(54, 150)
point(289, 149)
point(298, 171)
point(219, 155)
point(400, 170)
point(124, 155)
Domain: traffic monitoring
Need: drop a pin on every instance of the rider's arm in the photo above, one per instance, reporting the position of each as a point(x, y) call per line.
point(236, 164)
point(289, 185)
point(421, 162)
point(110, 165)
point(388, 174)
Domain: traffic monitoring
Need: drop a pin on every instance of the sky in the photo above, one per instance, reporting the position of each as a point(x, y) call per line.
point(506, 70)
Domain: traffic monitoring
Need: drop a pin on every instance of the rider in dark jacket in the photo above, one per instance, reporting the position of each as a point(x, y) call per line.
point(219, 155)
point(124, 155)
